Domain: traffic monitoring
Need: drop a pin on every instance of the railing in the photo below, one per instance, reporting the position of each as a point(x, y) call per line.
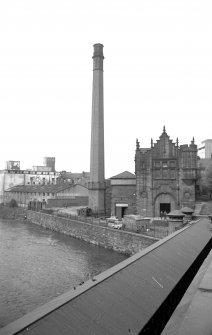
point(86, 219)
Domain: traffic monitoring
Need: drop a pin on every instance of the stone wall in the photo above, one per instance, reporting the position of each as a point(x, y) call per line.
point(118, 240)
point(67, 201)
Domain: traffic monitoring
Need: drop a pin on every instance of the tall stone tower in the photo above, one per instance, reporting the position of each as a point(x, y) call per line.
point(97, 166)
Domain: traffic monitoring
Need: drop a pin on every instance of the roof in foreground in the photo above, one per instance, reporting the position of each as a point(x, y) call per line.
point(122, 299)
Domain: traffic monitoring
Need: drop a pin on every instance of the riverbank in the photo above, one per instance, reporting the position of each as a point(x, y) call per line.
point(11, 213)
point(124, 242)
point(37, 265)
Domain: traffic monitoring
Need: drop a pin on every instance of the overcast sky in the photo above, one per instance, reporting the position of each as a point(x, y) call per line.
point(157, 71)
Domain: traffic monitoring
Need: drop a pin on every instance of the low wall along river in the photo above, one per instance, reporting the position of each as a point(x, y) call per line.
point(118, 240)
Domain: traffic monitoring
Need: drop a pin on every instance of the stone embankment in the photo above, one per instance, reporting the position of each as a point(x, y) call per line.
point(118, 240)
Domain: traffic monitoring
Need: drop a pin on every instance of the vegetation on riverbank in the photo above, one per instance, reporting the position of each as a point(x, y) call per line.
point(7, 212)
point(206, 208)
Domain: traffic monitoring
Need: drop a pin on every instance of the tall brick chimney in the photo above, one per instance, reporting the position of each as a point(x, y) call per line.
point(97, 166)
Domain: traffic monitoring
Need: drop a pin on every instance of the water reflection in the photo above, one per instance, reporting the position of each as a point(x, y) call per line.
point(37, 264)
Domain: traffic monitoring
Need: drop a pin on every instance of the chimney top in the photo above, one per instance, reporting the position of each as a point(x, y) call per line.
point(98, 50)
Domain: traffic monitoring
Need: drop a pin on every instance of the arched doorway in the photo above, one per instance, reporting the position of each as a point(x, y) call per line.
point(164, 202)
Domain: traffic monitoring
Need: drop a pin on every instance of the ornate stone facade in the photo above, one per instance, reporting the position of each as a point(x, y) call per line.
point(165, 176)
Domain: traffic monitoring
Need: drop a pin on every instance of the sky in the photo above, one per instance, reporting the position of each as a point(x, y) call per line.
point(157, 71)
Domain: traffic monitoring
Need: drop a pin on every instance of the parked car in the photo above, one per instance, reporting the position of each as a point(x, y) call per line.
point(114, 222)
point(117, 225)
point(112, 219)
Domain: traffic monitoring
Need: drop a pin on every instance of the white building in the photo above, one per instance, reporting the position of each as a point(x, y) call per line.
point(205, 149)
point(13, 176)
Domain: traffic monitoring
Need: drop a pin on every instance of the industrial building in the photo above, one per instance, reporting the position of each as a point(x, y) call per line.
point(13, 175)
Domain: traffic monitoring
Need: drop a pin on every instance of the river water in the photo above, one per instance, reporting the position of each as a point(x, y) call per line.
point(37, 265)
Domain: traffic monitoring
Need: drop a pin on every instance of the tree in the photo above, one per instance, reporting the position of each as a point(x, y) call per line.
point(207, 180)
point(13, 203)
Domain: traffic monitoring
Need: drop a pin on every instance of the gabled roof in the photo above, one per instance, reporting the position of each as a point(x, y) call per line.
point(124, 175)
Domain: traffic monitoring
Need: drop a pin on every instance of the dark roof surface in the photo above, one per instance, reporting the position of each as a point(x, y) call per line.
point(123, 298)
point(186, 210)
point(176, 212)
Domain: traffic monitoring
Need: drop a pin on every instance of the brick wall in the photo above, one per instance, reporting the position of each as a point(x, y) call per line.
point(123, 194)
point(118, 240)
point(62, 202)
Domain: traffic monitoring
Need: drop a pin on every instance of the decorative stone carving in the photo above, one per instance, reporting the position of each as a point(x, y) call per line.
point(143, 194)
point(187, 195)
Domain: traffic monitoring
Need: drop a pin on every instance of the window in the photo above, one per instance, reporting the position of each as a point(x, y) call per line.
point(165, 174)
point(172, 174)
point(165, 164)
point(157, 174)
point(172, 163)
point(157, 164)
point(44, 194)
